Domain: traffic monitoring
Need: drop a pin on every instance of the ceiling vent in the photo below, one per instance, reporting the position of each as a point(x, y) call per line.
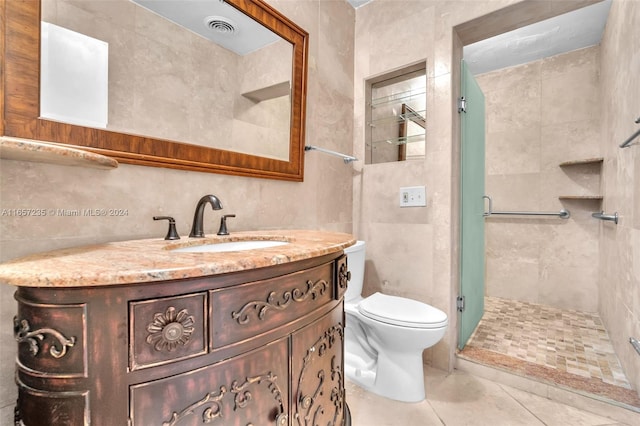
point(221, 25)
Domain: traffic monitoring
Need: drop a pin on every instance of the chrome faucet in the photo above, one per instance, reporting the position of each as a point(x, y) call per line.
point(197, 229)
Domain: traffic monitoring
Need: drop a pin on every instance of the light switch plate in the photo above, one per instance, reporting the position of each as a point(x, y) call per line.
point(413, 196)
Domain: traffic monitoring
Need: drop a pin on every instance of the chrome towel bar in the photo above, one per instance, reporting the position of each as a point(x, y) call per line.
point(627, 143)
point(562, 214)
point(635, 344)
point(346, 158)
point(602, 216)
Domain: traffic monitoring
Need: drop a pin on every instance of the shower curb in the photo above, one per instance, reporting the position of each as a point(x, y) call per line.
point(595, 404)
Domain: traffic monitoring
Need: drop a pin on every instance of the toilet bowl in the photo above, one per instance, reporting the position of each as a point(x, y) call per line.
point(385, 336)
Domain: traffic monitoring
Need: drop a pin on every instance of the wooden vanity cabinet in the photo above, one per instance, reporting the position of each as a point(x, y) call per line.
point(258, 347)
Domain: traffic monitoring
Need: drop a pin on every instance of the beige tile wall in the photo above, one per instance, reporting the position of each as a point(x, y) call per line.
point(539, 115)
point(322, 201)
point(619, 277)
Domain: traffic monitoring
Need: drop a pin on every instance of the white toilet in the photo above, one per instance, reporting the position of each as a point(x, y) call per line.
point(385, 337)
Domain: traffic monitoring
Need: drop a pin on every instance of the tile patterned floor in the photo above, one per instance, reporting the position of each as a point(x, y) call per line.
point(570, 341)
point(568, 347)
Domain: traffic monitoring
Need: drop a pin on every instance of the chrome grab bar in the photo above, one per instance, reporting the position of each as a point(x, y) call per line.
point(487, 214)
point(600, 215)
point(563, 214)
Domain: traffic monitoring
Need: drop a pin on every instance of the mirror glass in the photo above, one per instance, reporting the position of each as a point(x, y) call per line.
point(396, 116)
point(199, 72)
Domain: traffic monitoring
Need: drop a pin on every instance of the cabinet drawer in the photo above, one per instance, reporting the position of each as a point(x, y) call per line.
point(167, 329)
point(245, 311)
point(248, 389)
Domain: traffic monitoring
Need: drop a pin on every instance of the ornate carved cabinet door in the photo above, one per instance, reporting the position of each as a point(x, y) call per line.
point(317, 372)
point(250, 389)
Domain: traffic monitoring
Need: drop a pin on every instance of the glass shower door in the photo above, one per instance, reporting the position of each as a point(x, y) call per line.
point(472, 270)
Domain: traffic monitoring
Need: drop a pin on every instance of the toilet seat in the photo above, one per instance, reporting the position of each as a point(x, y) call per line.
point(402, 312)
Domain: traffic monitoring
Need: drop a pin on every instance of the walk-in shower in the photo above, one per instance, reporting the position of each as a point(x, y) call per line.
point(546, 311)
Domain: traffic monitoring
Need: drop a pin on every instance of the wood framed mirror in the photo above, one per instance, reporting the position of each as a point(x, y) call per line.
point(21, 106)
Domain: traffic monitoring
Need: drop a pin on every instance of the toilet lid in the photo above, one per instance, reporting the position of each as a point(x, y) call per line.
point(401, 311)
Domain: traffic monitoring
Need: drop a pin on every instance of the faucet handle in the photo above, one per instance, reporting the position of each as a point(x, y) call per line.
point(172, 234)
point(223, 224)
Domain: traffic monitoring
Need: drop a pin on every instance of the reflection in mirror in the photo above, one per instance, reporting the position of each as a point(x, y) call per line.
point(412, 128)
point(183, 71)
point(396, 114)
point(74, 88)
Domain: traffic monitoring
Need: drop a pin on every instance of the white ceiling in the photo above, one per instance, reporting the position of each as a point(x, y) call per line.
point(231, 28)
point(358, 3)
point(564, 33)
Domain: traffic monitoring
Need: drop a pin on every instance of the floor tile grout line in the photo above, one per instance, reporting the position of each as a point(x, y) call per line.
point(442, 422)
point(505, 390)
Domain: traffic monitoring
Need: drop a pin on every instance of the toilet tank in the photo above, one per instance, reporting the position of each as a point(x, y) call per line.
point(355, 262)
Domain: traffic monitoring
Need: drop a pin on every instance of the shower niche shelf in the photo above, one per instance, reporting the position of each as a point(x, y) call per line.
point(580, 197)
point(597, 160)
point(583, 168)
point(271, 92)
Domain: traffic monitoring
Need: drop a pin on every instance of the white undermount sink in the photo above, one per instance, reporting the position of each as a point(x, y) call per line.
point(230, 246)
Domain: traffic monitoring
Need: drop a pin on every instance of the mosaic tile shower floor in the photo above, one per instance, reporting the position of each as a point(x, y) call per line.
point(567, 347)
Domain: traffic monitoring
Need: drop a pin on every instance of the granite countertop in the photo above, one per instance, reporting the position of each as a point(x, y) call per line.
point(48, 152)
point(144, 261)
